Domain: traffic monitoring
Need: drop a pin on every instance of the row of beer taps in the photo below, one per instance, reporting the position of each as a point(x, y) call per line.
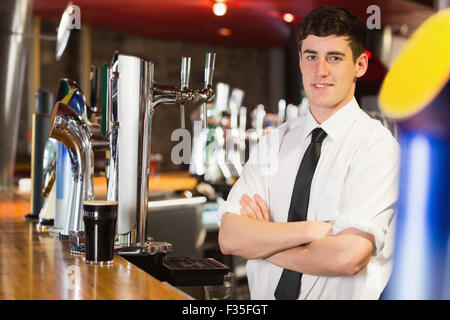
point(131, 96)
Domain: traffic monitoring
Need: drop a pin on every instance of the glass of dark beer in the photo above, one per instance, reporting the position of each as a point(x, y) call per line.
point(99, 218)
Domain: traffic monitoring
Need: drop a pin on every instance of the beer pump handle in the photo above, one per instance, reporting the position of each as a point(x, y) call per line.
point(105, 100)
point(209, 68)
point(209, 72)
point(185, 72)
point(94, 90)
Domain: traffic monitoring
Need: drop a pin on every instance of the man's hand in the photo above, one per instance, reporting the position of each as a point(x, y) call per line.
point(255, 208)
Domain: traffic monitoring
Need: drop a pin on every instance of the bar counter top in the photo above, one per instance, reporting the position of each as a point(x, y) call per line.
point(37, 265)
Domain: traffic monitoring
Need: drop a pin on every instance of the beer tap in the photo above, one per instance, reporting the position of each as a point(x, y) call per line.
point(209, 72)
point(69, 127)
point(281, 111)
point(185, 72)
point(132, 98)
point(242, 133)
point(233, 150)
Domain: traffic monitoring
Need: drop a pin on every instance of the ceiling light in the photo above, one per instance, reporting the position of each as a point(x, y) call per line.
point(219, 8)
point(288, 17)
point(224, 32)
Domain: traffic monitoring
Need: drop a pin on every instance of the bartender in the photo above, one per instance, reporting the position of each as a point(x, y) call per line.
point(319, 225)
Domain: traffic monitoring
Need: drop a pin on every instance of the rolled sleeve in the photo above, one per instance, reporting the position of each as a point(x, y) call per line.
point(366, 225)
point(227, 206)
point(371, 192)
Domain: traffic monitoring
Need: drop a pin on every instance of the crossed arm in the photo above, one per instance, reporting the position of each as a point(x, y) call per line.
point(307, 246)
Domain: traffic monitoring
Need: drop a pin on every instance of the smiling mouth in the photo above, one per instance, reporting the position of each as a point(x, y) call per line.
point(321, 85)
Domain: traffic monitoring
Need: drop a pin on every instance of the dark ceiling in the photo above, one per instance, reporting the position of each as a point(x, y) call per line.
point(255, 23)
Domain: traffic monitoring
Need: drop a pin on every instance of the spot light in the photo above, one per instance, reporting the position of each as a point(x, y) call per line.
point(288, 17)
point(219, 8)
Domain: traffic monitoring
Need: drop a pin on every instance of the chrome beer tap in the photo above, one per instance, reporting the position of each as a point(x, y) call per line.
point(185, 72)
point(209, 72)
point(133, 97)
point(80, 139)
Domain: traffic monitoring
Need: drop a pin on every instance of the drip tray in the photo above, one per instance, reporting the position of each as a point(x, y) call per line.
point(188, 271)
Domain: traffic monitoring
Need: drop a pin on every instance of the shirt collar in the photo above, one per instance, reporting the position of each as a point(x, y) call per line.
point(335, 125)
point(310, 124)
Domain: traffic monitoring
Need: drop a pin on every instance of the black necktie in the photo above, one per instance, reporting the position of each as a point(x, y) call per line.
point(289, 284)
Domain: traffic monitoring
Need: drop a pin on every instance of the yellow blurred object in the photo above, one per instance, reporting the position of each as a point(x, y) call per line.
point(168, 181)
point(172, 181)
point(420, 71)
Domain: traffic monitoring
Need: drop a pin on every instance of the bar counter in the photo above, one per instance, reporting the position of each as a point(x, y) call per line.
point(37, 265)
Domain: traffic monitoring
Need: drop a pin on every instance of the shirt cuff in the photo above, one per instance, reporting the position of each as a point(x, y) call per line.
point(348, 221)
point(227, 206)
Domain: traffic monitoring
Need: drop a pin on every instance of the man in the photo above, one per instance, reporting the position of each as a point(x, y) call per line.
point(336, 165)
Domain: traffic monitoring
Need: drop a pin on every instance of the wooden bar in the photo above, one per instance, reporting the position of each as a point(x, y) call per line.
point(37, 265)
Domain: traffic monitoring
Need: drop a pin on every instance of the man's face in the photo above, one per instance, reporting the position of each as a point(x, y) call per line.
point(328, 71)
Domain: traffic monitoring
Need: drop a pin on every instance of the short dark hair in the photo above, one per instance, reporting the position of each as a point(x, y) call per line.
point(325, 21)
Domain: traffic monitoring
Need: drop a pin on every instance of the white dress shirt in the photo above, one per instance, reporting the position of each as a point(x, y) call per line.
point(355, 185)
